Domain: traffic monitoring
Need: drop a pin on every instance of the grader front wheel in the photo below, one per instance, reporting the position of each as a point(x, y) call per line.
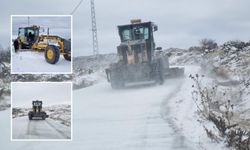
point(52, 54)
point(67, 57)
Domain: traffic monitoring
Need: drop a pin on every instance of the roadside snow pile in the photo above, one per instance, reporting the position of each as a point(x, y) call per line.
point(228, 66)
point(218, 114)
point(89, 70)
point(60, 113)
point(88, 79)
point(230, 60)
point(183, 57)
point(233, 59)
point(181, 113)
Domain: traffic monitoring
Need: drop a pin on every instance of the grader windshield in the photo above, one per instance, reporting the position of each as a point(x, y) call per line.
point(134, 32)
point(37, 103)
point(28, 34)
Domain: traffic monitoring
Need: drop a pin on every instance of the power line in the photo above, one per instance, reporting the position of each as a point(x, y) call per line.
point(76, 7)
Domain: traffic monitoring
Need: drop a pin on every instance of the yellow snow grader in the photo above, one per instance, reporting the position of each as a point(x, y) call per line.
point(140, 61)
point(52, 45)
point(37, 112)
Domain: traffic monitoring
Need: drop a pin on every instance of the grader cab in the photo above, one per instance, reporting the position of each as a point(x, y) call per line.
point(139, 59)
point(29, 38)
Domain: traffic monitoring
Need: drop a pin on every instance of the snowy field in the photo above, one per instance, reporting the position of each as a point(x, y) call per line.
point(159, 117)
point(34, 62)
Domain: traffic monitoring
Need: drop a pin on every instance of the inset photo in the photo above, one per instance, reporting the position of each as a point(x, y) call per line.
point(41, 111)
point(41, 44)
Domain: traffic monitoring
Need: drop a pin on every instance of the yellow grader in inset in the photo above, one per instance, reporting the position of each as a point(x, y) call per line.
point(52, 45)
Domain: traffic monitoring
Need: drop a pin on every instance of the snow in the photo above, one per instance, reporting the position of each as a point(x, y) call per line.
point(23, 129)
point(29, 61)
point(151, 117)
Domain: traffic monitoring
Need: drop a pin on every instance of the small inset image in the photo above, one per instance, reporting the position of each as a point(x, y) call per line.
point(41, 44)
point(41, 111)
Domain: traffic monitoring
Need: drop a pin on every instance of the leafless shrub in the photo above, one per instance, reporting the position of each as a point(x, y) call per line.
point(229, 132)
point(238, 138)
point(211, 135)
point(194, 48)
point(208, 44)
point(239, 45)
point(202, 96)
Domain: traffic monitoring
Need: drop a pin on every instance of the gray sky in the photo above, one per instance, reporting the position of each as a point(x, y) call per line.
point(182, 23)
point(58, 25)
point(50, 93)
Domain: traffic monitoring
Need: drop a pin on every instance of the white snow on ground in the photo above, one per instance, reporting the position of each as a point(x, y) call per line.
point(23, 128)
point(29, 61)
point(180, 113)
point(86, 80)
point(136, 118)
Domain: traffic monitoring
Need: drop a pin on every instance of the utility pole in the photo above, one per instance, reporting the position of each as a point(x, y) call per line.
point(94, 30)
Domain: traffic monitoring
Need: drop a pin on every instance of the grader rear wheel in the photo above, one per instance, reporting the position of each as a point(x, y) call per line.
point(52, 54)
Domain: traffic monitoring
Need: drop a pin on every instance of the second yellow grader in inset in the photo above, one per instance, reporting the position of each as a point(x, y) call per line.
point(53, 45)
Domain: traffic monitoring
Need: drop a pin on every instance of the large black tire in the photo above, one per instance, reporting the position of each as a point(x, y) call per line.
point(16, 45)
point(52, 54)
point(159, 72)
point(115, 84)
point(116, 77)
point(67, 57)
point(30, 117)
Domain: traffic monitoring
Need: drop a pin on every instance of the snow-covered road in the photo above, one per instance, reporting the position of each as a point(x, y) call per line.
point(157, 117)
point(23, 128)
point(127, 119)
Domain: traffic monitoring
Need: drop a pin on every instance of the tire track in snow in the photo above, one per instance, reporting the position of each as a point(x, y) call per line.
point(57, 130)
point(155, 115)
point(39, 129)
point(180, 141)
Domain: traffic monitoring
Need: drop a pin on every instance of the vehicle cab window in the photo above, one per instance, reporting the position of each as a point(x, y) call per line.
point(21, 32)
point(126, 35)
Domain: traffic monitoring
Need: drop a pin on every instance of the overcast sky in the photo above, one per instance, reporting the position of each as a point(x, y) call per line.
point(182, 23)
point(58, 25)
point(50, 93)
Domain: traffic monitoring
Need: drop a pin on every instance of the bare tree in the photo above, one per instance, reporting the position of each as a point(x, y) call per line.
point(208, 44)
